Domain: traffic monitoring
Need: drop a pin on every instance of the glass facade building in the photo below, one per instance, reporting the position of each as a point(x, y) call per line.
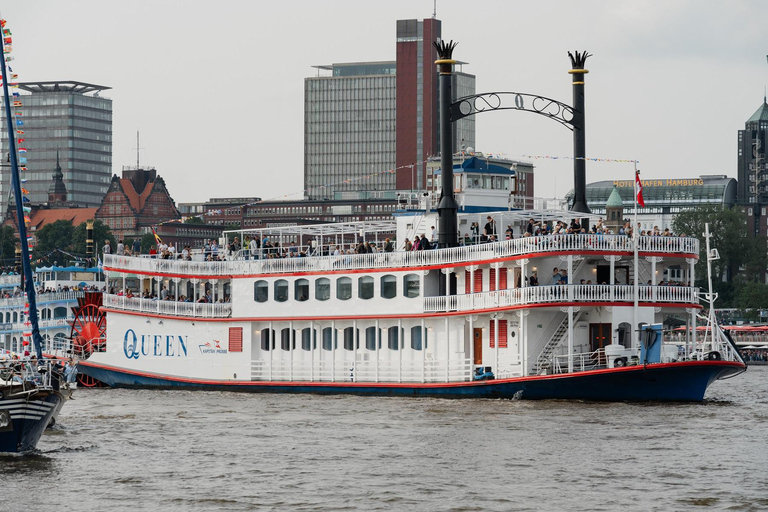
point(664, 198)
point(371, 126)
point(349, 129)
point(71, 119)
point(752, 170)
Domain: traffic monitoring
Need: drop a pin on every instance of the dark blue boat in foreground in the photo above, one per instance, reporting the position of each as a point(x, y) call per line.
point(29, 401)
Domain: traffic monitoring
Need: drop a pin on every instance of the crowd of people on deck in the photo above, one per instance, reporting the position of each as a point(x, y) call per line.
point(255, 247)
point(545, 228)
point(18, 292)
point(167, 295)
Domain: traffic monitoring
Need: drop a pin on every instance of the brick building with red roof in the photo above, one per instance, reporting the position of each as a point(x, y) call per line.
point(135, 203)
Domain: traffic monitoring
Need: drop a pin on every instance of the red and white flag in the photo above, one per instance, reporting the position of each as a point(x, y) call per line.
point(639, 187)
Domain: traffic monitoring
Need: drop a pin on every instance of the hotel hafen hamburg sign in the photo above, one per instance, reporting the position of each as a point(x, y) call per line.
point(661, 183)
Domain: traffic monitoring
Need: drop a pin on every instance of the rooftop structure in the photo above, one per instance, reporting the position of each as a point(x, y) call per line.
point(66, 121)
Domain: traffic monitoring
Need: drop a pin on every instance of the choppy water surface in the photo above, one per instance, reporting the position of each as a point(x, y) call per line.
point(120, 450)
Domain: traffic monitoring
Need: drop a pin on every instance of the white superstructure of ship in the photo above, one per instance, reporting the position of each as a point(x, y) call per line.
point(314, 316)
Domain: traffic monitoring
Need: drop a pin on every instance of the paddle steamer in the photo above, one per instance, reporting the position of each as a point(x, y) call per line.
point(456, 321)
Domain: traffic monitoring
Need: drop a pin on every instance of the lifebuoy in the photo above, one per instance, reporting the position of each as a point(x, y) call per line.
point(714, 356)
point(619, 362)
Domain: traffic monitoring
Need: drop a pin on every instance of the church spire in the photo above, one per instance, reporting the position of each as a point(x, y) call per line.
point(57, 192)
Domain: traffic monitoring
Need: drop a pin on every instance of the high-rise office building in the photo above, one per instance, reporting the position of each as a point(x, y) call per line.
point(71, 119)
point(752, 171)
point(364, 119)
point(418, 99)
point(349, 129)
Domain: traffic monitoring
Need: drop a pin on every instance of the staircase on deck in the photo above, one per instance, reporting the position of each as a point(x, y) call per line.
point(544, 361)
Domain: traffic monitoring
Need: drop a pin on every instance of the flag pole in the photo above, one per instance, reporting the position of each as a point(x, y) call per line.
point(635, 240)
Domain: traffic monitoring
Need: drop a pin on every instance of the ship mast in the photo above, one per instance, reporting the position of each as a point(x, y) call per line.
point(711, 296)
point(16, 185)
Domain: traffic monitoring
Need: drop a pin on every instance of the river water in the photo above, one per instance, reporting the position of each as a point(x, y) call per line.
point(116, 450)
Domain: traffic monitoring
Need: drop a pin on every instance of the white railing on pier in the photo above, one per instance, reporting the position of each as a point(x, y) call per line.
point(169, 307)
point(561, 293)
point(361, 371)
point(405, 259)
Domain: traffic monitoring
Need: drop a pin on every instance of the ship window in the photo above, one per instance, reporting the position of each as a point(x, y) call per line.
point(281, 290)
point(308, 339)
point(365, 287)
point(411, 286)
point(624, 334)
point(267, 339)
point(323, 289)
point(370, 338)
point(388, 286)
point(328, 338)
point(393, 342)
point(60, 312)
point(261, 291)
point(416, 338)
point(349, 339)
point(301, 290)
point(344, 288)
point(287, 339)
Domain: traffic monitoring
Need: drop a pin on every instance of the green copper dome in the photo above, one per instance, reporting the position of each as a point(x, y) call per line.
point(614, 199)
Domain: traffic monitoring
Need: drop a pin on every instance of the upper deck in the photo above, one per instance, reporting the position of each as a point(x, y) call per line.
point(528, 247)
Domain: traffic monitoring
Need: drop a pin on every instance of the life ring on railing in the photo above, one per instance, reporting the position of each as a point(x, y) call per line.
point(620, 362)
point(714, 356)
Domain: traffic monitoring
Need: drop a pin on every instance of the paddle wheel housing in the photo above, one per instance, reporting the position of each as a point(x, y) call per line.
point(89, 331)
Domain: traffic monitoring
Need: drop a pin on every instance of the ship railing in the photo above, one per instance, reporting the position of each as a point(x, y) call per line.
point(362, 371)
point(41, 298)
point(582, 361)
point(42, 324)
point(508, 366)
point(561, 293)
point(169, 307)
point(403, 259)
point(32, 375)
point(12, 279)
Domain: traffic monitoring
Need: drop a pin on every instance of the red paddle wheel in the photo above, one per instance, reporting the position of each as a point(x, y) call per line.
point(89, 331)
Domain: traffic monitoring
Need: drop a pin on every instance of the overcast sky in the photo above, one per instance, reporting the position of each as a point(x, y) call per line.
point(216, 88)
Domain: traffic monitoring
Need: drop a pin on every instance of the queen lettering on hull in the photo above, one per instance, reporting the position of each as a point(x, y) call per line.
point(157, 345)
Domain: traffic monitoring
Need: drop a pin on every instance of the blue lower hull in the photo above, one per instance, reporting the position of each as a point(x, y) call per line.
point(25, 431)
point(683, 381)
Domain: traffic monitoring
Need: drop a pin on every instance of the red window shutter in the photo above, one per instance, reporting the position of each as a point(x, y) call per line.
point(235, 339)
point(503, 334)
point(478, 280)
point(492, 279)
point(467, 282)
point(502, 279)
